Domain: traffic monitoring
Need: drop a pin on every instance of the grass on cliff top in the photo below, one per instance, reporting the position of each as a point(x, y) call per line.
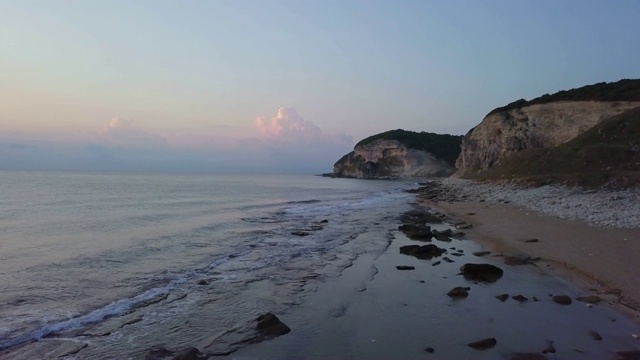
point(606, 155)
point(622, 90)
point(445, 147)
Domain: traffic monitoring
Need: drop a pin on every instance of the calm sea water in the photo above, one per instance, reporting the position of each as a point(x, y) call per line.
point(113, 260)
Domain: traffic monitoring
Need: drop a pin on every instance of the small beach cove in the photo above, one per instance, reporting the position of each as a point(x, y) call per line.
point(375, 310)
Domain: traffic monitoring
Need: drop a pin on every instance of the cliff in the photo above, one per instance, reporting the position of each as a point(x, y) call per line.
point(506, 131)
point(400, 154)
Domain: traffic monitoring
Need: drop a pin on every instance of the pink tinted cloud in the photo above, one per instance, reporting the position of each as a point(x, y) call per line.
point(288, 127)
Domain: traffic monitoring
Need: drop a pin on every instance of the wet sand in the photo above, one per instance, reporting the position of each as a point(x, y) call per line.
point(375, 311)
point(603, 259)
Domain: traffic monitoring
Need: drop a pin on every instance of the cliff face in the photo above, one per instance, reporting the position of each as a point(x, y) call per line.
point(504, 132)
point(390, 159)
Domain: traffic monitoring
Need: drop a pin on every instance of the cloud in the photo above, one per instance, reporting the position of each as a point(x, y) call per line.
point(287, 128)
point(123, 133)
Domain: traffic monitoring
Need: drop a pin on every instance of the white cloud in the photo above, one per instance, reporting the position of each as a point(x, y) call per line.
point(288, 128)
point(123, 133)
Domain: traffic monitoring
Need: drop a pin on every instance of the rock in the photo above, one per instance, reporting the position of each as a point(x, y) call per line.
point(591, 299)
point(405, 267)
point(520, 298)
point(562, 299)
point(481, 253)
point(203, 282)
point(502, 297)
point(447, 259)
point(457, 254)
point(269, 325)
point(446, 232)
point(483, 344)
point(463, 226)
point(549, 349)
point(430, 350)
point(527, 356)
point(481, 272)
point(517, 259)
point(316, 227)
point(189, 354)
point(459, 292)
point(323, 221)
point(427, 252)
point(441, 237)
point(436, 263)
point(300, 233)
point(595, 336)
point(416, 232)
point(629, 355)
point(158, 353)
point(531, 241)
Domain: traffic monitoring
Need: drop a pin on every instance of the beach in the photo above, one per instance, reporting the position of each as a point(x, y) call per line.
point(376, 311)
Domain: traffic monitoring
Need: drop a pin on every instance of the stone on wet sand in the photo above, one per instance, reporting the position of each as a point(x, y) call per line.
point(405, 267)
point(269, 325)
point(518, 259)
point(591, 299)
point(430, 350)
point(483, 344)
point(459, 292)
point(189, 354)
point(203, 282)
point(520, 298)
point(300, 233)
point(416, 231)
point(422, 252)
point(595, 336)
point(481, 272)
point(562, 299)
point(502, 297)
point(481, 253)
point(527, 356)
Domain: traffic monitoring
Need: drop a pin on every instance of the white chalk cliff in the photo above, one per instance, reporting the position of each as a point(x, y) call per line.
point(390, 159)
point(504, 132)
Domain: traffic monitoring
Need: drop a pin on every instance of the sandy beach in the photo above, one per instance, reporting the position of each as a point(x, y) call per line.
point(394, 306)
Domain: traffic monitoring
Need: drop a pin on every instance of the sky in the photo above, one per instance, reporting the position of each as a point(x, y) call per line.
point(282, 86)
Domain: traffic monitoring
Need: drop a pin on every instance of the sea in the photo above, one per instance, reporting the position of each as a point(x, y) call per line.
point(110, 265)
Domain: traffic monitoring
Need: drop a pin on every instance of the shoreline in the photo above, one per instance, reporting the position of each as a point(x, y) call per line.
point(595, 258)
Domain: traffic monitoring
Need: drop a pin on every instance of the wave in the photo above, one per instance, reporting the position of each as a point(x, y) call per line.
point(116, 308)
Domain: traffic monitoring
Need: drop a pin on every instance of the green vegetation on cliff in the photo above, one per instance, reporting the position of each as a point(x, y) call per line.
point(607, 154)
point(622, 90)
point(445, 147)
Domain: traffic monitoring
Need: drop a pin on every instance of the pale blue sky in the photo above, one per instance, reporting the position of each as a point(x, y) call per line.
point(203, 71)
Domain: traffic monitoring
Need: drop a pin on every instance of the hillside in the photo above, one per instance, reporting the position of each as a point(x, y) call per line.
point(622, 90)
point(400, 154)
point(608, 154)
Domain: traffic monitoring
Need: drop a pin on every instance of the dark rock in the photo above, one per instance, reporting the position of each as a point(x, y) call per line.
point(595, 336)
point(591, 299)
point(441, 237)
point(459, 292)
point(446, 232)
point(269, 325)
point(481, 272)
point(203, 282)
point(562, 299)
point(422, 252)
point(405, 267)
point(158, 353)
point(483, 344)
point(436, 263)
point(520, 298)
point(323, 221)
point(422, 281)
point(549, 349)
point(416, 232)
point(463, 226)
point(300, 233)
point(502, 297)
point(518, 259)
point(447, 259)
point(527, 356)
point(456, 254)
point(457, 234)
point(189, 354)
point(629, 355)
point(531, 241)
point(430, 350)
point(481, 253)
point(471, 213)
point(316, 227)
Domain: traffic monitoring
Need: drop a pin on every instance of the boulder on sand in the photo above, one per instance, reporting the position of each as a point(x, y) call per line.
point(427, 252)
point(269, 325)
point(481, 272)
